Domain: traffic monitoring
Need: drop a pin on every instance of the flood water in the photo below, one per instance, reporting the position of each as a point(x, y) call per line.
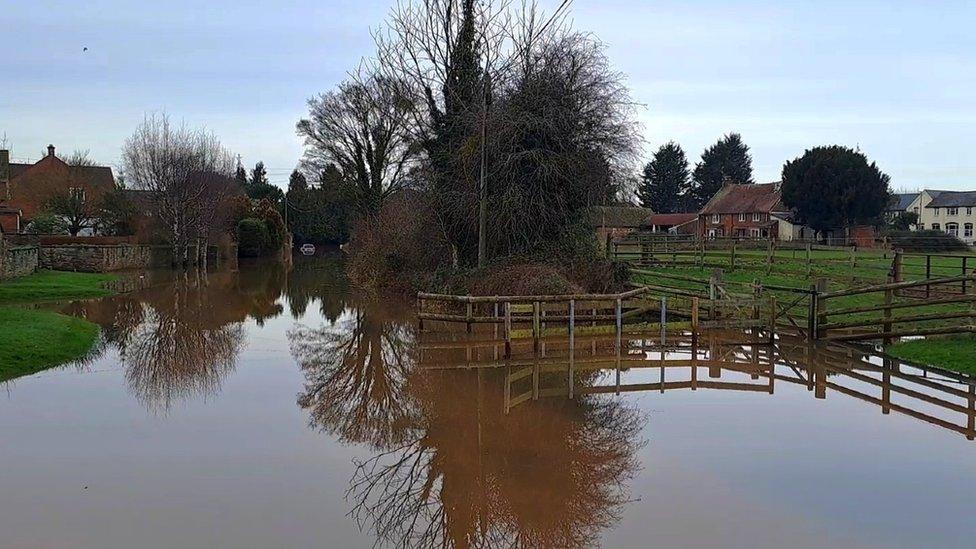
point(272, 408)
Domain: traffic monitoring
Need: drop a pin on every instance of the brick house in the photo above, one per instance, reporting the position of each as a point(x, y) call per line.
point(743, 211)
point(28, 187)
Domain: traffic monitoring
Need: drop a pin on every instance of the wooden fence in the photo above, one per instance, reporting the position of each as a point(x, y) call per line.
point(719, 361)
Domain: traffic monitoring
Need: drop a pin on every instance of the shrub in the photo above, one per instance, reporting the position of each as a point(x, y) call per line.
point(401, 247)
point(926, 241)
point(253, 238)
point(46, 223)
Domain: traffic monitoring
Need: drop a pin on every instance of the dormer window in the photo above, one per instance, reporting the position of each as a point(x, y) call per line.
point(953, 211)
point(757, 216)
point(77, 193)
point(936, 212)
point(742, 217)
point(716, 218)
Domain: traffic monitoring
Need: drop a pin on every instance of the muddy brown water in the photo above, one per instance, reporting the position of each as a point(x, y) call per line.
point(269, 408)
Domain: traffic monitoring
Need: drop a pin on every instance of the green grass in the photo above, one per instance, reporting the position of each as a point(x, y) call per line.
point(54, 286)
point(956, 353)
point(32, 340)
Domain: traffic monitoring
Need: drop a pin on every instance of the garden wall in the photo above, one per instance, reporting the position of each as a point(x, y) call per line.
point(94, 258)
point(16, 261)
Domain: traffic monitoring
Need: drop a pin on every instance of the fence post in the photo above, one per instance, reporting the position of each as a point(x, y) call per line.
point(928, 275)
point(664, 320)
point(469, 313)
point(619, 343)
point(420, 312)
point(694, 320)
point(572, 342)
point(886, 327)
point(809, 259)
point(732, 267)
point(508, 329)
point(821, 316)
point(965, 271)
point(536, 325)
point(610, 247)
point(898, 267)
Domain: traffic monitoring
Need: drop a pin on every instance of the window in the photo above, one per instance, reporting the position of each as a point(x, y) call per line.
point(936, 212)
point(953, 211)
point(742, 217)
point(716, 218)
point(953, 229)
point(757, 216)
point(936, 227)
point(77, 193)
point(754, 233)
point(969, 212)
point(915, 209)
point(921, 226)
point(968, 230)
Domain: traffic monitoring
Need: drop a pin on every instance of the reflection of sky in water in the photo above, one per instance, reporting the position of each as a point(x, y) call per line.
point(240, 467)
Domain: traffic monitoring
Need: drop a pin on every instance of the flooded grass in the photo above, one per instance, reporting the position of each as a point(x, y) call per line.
point(953, 353)
point(54, 286)
point(34, 340)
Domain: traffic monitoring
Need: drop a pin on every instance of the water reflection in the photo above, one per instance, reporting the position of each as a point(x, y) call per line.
point(451, 468)
point(179, 334)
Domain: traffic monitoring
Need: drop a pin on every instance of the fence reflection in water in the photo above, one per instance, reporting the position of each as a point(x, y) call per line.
point(747, 361)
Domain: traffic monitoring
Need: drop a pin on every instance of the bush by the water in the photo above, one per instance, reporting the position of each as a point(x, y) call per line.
point(253, 238)
point(401, 247)
point(926, 241)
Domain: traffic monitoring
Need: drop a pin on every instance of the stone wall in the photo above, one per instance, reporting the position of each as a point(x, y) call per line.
point(16, 261)
point(121, 257)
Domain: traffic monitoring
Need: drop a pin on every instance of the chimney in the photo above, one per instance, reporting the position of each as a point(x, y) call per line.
point(4, 174)
point(50, 150)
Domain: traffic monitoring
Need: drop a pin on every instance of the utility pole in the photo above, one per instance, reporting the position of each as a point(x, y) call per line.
point(483, 183)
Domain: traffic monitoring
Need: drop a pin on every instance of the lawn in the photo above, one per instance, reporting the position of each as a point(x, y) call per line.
point(54, 286)
point(953, 353)
point(32, 340)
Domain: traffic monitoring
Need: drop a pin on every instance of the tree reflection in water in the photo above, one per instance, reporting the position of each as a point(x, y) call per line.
point(355, 371)
point(182, 347)
point(452, 469)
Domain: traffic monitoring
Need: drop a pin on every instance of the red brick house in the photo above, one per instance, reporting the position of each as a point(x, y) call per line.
point(743, 211)
point(28, 187)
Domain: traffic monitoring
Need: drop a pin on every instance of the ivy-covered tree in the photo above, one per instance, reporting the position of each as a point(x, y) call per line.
point(258, 187)
point(665, 180)
point(835, 187)
point(727, 161)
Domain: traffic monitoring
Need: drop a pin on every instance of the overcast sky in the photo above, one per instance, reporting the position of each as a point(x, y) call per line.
point(896, 78)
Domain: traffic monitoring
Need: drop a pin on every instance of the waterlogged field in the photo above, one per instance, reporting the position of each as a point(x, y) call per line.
point(273, 408)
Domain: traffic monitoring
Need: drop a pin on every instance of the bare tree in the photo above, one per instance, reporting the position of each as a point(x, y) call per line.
point(363, 128)
point(189, 173)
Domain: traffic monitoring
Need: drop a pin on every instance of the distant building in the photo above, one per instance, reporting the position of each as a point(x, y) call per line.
point(953, 212)
point(617, 221)
point(674, 223)
point(901, 203)
point(749, 211)
point(28, 187)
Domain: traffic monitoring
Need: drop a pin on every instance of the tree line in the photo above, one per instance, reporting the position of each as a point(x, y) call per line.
point(827, 187)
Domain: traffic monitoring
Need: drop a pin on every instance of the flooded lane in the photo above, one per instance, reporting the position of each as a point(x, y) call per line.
point(280, 409)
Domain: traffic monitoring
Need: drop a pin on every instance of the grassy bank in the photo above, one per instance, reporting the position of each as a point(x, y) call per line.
point(54, 286)
point(34, 340)
point(952, 353)
point(31, 340)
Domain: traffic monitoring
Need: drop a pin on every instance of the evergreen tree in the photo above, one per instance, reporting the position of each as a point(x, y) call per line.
point(835, 187)
point(297, 182)
point(727, 161)
point(241, 177)
point(665, 180)
point(259, 176)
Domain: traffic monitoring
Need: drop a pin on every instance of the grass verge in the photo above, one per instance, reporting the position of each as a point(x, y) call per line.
point(32, 340)
point(956, 353)
point(53, 286)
